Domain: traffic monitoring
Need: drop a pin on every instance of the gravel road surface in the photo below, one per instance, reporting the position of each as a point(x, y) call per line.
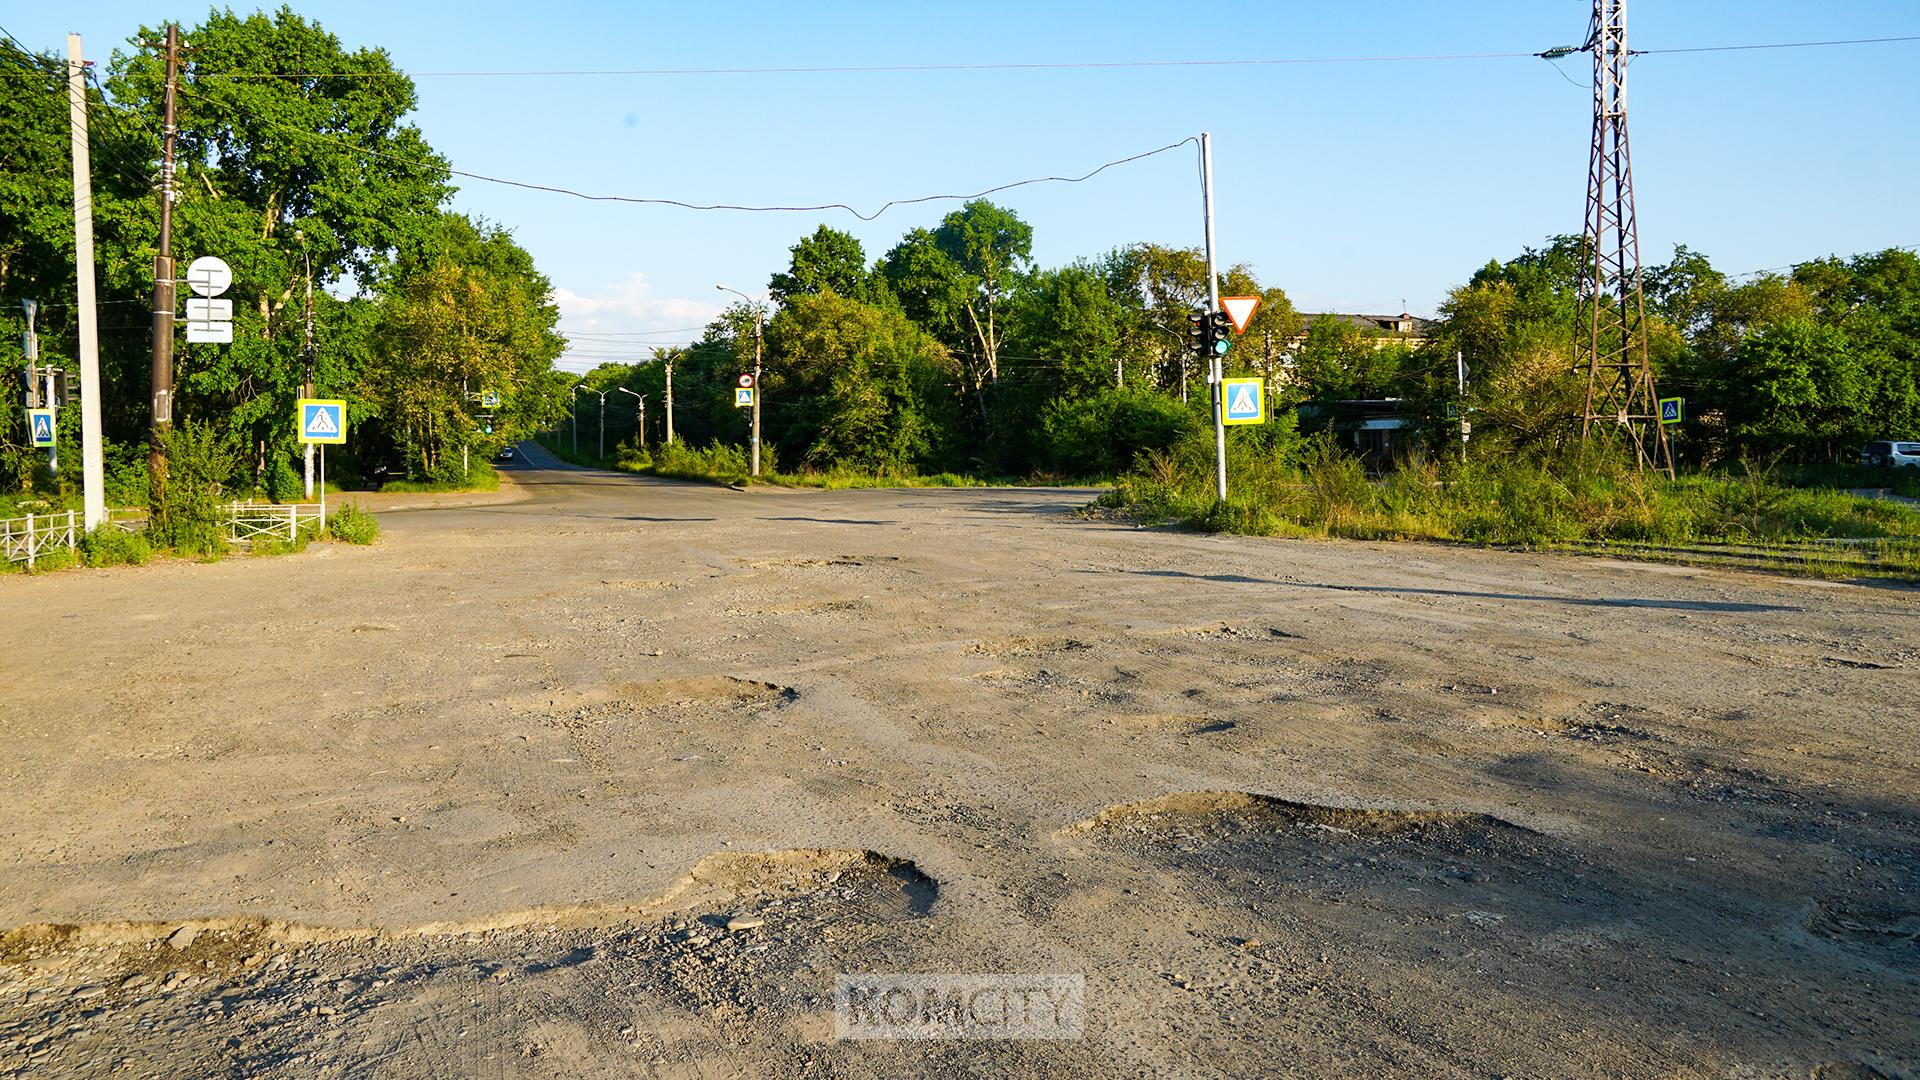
point(610, 776)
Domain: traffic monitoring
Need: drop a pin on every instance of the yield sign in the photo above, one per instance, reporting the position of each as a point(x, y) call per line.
point(1240, 310)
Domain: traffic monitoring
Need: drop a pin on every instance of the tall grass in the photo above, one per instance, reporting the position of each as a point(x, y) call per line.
point(1319, 490)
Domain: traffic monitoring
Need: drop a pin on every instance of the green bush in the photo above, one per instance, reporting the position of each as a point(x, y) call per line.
point(353, 525)
point(55, 559)
point(1102, 434)
point(282, 482)
point(189, 517)
point(720, 461)
point(480, 476)
point(110, 545)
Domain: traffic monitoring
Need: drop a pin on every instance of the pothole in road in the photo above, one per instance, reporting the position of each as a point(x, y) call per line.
point(748, 937)
point(1240, 809)
point(704, 690)
point(830, 562)
point(1891, 933)
point(1227, 632)
point(1237, 847)
point(1180, 723)
point(887, 884)
point(824, 607)
point(1027, 646)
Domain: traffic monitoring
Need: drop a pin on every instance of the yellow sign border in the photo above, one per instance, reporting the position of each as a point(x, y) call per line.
point(300, 417)
point(1260, 395)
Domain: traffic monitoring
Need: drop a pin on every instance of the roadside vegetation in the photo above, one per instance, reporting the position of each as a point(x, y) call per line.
point(479, 476)
point(724, 463)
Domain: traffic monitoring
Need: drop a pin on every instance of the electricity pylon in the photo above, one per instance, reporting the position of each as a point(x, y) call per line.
point(1611, 338)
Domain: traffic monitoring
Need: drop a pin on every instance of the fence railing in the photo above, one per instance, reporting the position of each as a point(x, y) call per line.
point(28, 539)
point(268, 521)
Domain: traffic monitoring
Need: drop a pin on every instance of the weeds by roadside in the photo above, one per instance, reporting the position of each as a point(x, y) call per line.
point(481, 476)
point(1583, 501)
point(353, 525)
point(721, 463)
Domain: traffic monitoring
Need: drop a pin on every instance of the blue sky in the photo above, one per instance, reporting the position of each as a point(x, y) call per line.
point(1354, 186)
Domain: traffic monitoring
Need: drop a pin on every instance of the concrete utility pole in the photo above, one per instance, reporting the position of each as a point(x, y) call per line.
point(759, 311)
point(306, 261)
point(641, 416)
point(669, 363)
point(1214, 372)
point(162, 366)
point(93, 483)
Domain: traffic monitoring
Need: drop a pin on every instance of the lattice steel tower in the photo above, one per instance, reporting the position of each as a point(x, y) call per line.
point(1611, 340)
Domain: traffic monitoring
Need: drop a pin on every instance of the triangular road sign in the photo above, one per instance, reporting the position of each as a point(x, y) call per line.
point(1243, 403)
point(1239, 309)
point(320, 422)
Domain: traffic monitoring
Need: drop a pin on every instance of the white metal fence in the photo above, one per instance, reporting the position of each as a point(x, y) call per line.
point(248, 522)
point(29, 539)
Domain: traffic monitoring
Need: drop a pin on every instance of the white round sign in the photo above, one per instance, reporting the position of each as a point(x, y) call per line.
point(209, 275)
point(746, 380)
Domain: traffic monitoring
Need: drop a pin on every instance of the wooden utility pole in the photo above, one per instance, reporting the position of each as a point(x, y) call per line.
point(669, 363)
point(163, 280)
point(92, 453)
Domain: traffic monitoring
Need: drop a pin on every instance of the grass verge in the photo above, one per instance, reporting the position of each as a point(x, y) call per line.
point(1571, 504)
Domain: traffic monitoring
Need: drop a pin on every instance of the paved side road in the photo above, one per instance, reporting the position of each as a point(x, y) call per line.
point(487, 796)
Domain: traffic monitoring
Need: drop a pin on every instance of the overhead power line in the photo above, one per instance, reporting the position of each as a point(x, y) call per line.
point(1059, 65)
point(656, 201)
point(1777, 45)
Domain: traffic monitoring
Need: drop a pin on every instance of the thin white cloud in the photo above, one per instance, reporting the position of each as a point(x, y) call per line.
point(625, 320)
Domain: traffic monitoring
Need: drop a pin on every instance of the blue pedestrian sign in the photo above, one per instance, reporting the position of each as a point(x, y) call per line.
point(1671, 409)
point(1245, 401)
point(742, 396)
point(489, 400)
point(40, 427)
point(323, 420)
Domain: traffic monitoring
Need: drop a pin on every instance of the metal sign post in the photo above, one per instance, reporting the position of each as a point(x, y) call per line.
point(1214, 371)
point(322, 421)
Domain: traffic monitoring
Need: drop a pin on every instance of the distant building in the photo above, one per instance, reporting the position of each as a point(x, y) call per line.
point(1375, 429)
point(1404, 328)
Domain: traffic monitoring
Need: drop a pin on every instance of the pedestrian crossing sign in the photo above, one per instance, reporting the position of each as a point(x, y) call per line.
point(323, 420)
point(1244, 400)
point(40, 427)
point(742, 396)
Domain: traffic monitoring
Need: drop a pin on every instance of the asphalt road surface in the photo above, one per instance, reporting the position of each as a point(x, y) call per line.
point(609, 776)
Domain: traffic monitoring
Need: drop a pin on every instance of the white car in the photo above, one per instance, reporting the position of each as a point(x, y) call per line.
point(1890, 453)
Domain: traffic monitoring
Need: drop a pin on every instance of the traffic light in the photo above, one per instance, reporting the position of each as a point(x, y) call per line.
point(1197, 343)
point(62, 395)
point(1219, 333)
point(32, 387)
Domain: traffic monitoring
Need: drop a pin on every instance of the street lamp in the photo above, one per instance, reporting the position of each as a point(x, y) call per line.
point(759, 310)
point(642, 399)
point(602, 394)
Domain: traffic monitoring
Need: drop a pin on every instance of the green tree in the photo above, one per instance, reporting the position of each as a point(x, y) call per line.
point(827, 261)
point(465, 313)
point(296, 166)
point(854, 384)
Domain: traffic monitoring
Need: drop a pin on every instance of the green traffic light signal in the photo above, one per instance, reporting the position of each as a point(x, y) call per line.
point(1220, 346)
